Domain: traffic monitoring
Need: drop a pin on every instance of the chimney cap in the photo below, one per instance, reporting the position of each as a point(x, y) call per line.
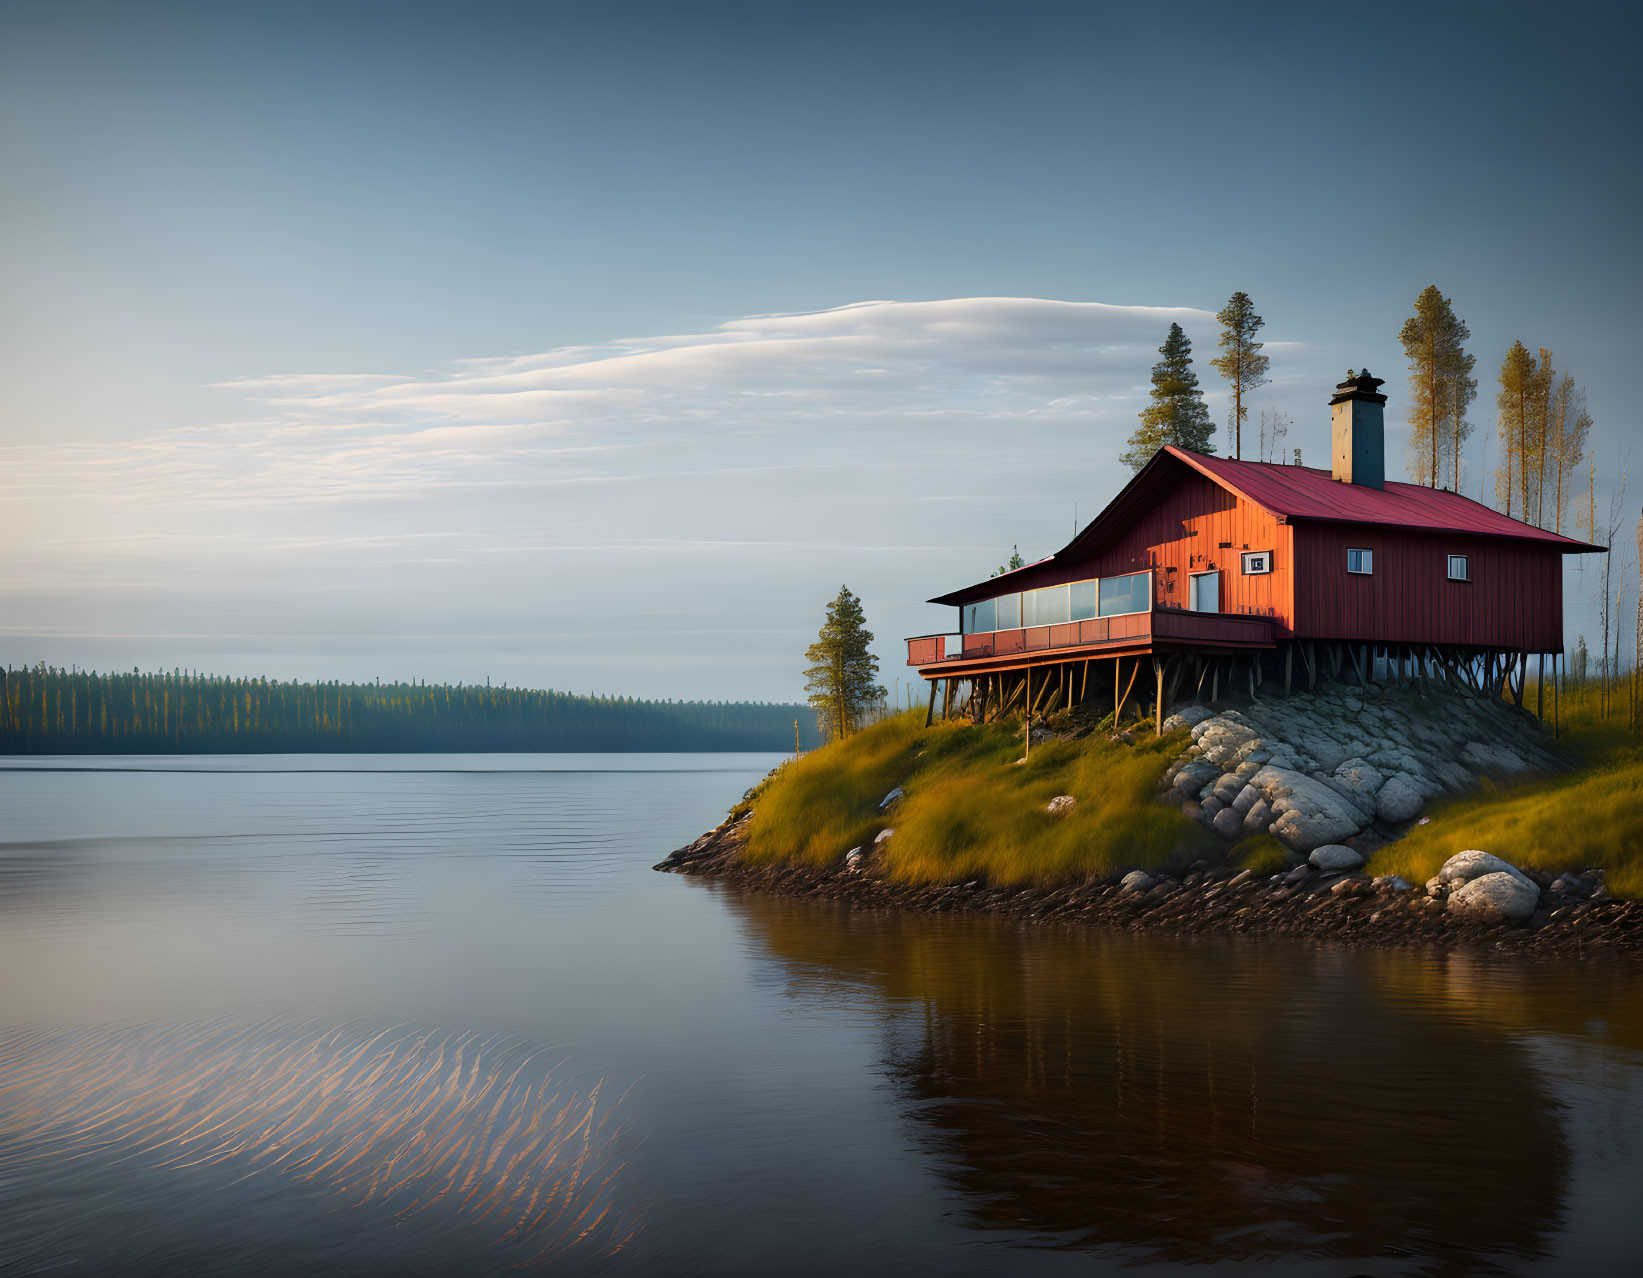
point(1362, 386)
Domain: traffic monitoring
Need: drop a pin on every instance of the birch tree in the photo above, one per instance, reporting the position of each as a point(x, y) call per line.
point(1440, 386)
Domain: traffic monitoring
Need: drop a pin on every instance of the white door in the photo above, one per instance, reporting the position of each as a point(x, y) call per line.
point(1206, 592)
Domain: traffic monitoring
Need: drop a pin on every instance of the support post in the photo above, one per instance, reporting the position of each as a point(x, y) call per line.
point(1158, 671)
point(1540, 687)
point(1289, 664)
point(930, 714)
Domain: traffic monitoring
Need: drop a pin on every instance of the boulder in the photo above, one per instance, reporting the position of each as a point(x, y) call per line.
point(1136, 881)
point(1228, 787)
point(1308, 812)
point(1246, 799)
point(882, 836)
point(1463, 867)
point(1228, 823)
point(1361, 777)
point(1496, 896)
point(1393, 883)
point(1399, 800)
point(1061, 805)
point(1492, 758)
point(853, 859)
point(1436, 888)
point(890, 798)
point(1258, 818)
point(1190, 717)
point(1335, 856)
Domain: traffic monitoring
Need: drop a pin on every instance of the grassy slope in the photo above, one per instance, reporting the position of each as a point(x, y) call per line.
point(971, 811)
point(1587, 818)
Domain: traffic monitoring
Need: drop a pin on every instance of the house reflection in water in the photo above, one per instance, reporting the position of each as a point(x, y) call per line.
point(1199, 1101)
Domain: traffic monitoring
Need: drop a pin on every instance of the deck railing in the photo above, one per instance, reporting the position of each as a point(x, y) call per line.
point(1162, 624)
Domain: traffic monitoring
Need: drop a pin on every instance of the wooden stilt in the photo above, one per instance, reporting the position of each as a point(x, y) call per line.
point(1215, 679)
point(1135, 669)
point(1540, 688)
point(930, 714)
point(1158, 672)
point(1117, 662)
point(1289, 664)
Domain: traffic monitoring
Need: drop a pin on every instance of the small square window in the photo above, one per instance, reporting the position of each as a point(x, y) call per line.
point(1257, 562)
point(1362, 561)
point(1457, 568)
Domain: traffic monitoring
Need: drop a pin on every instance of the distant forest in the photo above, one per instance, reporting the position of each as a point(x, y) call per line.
point(44, 710)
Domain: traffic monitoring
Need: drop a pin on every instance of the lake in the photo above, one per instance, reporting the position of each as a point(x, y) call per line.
point(436, 1014)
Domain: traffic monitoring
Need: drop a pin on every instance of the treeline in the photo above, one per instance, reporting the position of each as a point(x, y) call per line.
point(45, 710)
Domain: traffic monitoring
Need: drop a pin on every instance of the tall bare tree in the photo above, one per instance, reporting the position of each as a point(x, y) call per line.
point(1440, 386)
point(1240, 360)
point(1515, 404)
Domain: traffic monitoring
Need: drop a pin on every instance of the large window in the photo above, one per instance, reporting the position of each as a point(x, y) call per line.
point(1047, 607)
point(1056, 605)
point(1360, 561)
point(1120, 595)
point(978, 617)
point(1204, 591)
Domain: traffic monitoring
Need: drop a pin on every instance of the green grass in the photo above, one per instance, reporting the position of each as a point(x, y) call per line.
point(1590, 817)
point(972, 811)
point(1263, 854)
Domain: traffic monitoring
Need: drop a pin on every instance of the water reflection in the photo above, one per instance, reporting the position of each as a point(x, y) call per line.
point(424, 1131)
point(1202, 1101)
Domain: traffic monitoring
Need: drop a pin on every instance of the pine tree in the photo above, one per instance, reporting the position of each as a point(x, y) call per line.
point(1177, 414)
point(841, 679)
point(1016, 561)
point(1440, 386)
point(1240, 361)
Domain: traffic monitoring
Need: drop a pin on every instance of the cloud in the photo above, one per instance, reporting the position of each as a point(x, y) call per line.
point(903, 442)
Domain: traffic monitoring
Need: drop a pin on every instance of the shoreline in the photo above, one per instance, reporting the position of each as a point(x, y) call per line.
point(1306, 903)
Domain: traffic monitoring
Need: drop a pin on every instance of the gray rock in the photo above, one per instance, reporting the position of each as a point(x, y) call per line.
point(1399, 800)
point(1393, 883)
point(1061, 804)
point(1361, 776)
point(853, 859)
point(1228, 823)
point(1308, 812)
point(1210, 807)
point(1188, 717)
point(890, 798)
point(1466, 866)
point(1335, 856)
point(1227, 788)
point(1498, 895)
point(882, 836)
point(1136, 881)
point(1436, 888)
point(1258, 818)
point(1246, 799)
point(1492, 758)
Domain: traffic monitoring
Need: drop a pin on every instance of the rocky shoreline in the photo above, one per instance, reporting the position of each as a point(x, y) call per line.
point(1467, 907)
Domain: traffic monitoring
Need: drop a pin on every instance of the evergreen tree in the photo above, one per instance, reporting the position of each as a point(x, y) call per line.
point(1177, 414)
point(841, 679)
point(1440, 387)
point(1016, 561)
point(1240, 360)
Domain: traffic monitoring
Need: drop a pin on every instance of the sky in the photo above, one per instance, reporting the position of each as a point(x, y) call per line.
point(595, 347)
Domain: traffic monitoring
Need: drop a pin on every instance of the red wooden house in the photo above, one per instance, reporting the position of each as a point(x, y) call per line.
point(1210, 570)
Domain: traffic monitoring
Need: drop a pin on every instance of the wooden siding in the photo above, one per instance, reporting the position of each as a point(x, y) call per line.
point(1181, 535)
point(1513, 600)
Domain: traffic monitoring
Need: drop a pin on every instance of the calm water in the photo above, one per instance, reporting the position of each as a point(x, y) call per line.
point(437, 1014)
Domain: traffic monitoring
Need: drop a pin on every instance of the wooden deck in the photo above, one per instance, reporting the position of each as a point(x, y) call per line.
point(1161, 630)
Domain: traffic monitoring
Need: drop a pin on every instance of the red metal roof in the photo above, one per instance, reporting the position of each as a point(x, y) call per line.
point(1304, 492)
